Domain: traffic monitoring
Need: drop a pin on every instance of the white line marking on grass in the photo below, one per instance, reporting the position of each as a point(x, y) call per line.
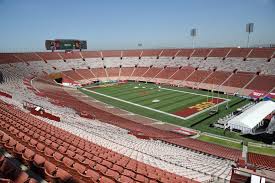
point(155, 110)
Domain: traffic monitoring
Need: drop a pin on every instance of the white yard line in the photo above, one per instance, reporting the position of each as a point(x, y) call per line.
point(155, 110)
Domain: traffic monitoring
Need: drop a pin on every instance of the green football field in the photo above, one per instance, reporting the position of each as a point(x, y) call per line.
point(149, 100)
point(171, 102)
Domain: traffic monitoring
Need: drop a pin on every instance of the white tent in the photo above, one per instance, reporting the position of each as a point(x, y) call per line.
point(252, 117)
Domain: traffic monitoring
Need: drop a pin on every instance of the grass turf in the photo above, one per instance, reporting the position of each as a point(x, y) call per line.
point(237, 145)
point(144, 94)
point(170, 101)
point(223, 142)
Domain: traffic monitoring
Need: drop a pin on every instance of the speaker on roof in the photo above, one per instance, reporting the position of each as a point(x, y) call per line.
point(249, 27)
point(193, 32)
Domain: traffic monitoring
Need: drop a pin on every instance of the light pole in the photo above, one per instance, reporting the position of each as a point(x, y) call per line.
point(249, 29)
point(193, 34)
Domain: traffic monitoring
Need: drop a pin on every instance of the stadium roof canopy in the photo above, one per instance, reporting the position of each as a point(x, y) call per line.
point(252, 117)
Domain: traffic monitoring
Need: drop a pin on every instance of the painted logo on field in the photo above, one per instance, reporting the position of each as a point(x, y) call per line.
point(202, 106)
point(186, 112)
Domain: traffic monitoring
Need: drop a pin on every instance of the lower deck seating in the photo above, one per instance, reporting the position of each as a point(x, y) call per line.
point(152, 72)
point(205, 147)
point(199, 76)
point(11, 173)
point(85, 73)
point(262, 83)
point(167, 73)
point(182, 73)
point(218, 77)
point(73, 75)
point(99, 72)
point(139, 71)
point(59, 155)
point(126, 71)
point(239, 79)
point(113, 72)
point(262, 161)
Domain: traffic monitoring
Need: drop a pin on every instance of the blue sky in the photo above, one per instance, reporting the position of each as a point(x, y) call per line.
point(122, 24)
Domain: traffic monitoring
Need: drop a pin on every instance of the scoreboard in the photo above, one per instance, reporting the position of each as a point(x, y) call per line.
point(65, 44)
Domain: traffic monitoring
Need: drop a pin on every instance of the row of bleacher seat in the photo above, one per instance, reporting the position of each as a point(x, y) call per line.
point(229, 64)
point(234, 82)
point(217, 78)
point(59, 155)
point(10, 172)
point(205, 52)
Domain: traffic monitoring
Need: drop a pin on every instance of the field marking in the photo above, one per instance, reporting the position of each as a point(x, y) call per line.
point(155, 110)
point(125, 101)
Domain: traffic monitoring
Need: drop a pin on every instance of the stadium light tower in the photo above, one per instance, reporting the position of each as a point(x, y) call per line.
point(249, 29)
point(193, 34)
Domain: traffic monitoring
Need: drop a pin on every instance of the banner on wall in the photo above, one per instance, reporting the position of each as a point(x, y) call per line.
point(257, 94)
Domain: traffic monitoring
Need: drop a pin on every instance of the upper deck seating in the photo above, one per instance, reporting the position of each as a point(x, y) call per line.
point(91, 54)
point(8, 58)
point(95, 62)
point(28, 57)
point(112, 61)
point(185, 53)
point(201, 52)
point(147, 61)
point(264, 53)
point(112, 53)
point(49, 55)
point(168, 52)
point(219, 52)
point(239, 52)
point(150, 53)
point(129, 61)
point(131, 53)
point(70, 55)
